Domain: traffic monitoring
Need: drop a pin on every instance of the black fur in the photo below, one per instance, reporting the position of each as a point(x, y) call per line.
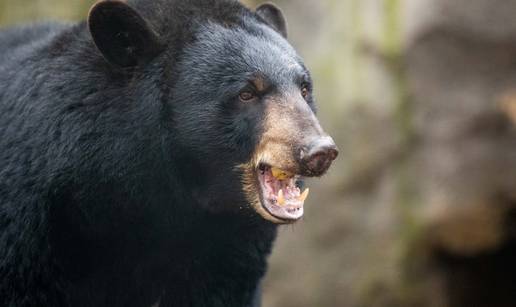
point(121, 34)
point(274, 17)
point(118, 183)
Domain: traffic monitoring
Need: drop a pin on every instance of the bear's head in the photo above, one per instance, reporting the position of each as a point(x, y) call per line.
point(242, 116)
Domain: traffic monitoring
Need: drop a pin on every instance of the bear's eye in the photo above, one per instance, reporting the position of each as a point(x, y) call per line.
point(305, 91)
point(247, 96)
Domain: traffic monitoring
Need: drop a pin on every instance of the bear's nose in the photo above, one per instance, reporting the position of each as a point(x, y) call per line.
point(320, 155)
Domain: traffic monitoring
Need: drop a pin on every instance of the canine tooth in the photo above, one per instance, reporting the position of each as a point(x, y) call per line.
point(281, 198)
point(303, 196)
point(280, 174)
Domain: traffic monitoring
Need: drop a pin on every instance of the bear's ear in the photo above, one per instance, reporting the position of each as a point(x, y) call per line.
point(274, 17)
point(123, 37)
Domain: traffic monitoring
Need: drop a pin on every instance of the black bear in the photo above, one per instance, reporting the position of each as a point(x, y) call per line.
point(148, 155)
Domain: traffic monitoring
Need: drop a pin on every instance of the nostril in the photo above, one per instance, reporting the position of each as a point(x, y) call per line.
point(320, 157)
point(333, 153)
point(324, 153)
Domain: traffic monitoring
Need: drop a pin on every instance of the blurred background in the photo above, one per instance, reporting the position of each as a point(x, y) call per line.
point(420, 96)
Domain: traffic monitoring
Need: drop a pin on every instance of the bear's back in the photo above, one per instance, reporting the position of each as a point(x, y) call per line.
point(17, 41)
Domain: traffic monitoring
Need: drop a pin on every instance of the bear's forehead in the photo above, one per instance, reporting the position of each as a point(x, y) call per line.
point(238, 50)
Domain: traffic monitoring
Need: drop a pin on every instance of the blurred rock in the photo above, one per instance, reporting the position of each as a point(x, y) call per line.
point(460, 64)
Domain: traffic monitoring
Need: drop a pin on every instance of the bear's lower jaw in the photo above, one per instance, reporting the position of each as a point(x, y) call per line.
point(280, 196)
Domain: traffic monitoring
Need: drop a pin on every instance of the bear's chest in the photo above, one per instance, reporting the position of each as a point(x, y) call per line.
point(212, 267)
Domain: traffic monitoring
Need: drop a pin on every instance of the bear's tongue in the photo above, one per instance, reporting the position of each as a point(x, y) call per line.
point(282, 198)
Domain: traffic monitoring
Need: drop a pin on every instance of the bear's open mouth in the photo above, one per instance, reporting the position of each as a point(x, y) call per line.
point(280, 193)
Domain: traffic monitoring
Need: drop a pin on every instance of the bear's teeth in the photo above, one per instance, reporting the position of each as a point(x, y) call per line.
point(281, 174)
point(281, 198)
point(303, 196)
